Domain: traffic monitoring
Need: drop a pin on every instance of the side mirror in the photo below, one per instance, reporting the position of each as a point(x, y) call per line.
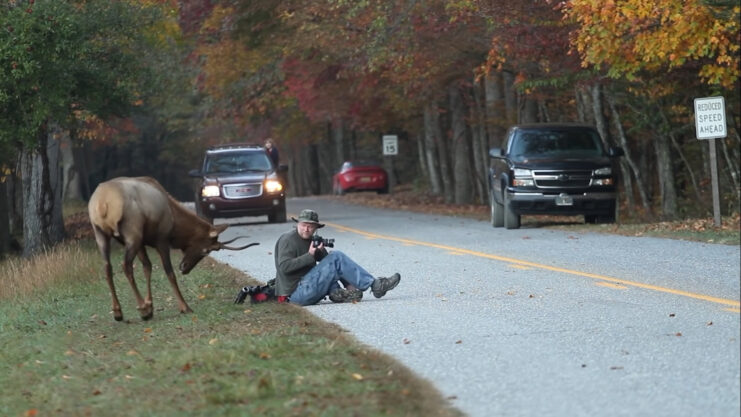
point(615, 151)
point(495, 152)
point(194, 173)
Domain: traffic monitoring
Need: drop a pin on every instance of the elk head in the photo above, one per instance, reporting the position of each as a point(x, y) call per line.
point(203, 245)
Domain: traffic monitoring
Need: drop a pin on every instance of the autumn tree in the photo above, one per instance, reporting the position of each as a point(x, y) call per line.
point(57, 57)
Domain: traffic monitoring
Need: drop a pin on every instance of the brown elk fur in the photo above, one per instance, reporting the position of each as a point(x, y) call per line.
point(138, 212)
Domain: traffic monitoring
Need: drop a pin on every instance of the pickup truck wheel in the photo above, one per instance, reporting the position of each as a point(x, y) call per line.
point(511, 219)
point(497, 213)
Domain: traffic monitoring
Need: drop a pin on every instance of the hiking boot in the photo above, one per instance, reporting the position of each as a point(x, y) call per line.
point(343, 295)
point(382, 285)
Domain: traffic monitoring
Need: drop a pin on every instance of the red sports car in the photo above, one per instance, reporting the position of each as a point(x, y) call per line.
point(360, 176)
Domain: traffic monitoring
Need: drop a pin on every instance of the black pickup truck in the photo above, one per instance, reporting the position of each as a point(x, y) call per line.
point(560, 169)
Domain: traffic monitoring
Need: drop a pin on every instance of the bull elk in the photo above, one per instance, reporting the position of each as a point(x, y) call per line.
point(138, 212)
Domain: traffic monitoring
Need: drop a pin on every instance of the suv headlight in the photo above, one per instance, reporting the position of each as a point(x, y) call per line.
point(603, 171)
point(210, 191)
point(523, 178)
point(273, 186)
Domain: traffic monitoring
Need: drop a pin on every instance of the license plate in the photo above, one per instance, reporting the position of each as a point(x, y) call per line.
point(564, 200)
point(365, 179)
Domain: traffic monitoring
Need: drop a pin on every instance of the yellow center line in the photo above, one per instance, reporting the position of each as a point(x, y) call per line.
point(734, 304)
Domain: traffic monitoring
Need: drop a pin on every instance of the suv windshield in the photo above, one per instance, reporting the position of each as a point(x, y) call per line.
point(560, 143)
point(234, 162)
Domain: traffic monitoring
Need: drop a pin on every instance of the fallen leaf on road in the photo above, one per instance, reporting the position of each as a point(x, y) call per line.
point(406, 341)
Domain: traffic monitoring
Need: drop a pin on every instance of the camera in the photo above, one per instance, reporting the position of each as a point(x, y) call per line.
point(317, 240)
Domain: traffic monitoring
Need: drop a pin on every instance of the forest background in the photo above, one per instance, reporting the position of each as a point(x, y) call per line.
point(93, 89)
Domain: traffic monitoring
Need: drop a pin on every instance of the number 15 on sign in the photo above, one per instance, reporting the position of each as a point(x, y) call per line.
point(390, 145)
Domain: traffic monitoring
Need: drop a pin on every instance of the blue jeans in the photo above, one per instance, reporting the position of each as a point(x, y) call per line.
point(324, 278)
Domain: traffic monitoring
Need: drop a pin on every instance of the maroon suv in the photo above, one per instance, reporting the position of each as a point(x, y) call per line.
point(239, 180)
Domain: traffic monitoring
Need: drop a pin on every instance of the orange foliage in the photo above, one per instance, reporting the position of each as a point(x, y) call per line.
point(631, 36)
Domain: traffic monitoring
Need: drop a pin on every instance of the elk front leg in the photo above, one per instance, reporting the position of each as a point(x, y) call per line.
point(164, 251)
point(147, 311)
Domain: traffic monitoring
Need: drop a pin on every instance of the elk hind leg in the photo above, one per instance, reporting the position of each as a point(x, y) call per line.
point(104, 246)
point(147, 311)
point(128, 267)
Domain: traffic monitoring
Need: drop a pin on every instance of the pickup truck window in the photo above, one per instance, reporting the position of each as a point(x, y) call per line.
point(529, 144)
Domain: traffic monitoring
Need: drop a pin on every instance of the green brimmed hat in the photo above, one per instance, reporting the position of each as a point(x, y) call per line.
point(308, 216)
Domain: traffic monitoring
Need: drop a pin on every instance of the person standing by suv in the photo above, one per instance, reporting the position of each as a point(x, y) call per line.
point(272, 151)
point(306, 273)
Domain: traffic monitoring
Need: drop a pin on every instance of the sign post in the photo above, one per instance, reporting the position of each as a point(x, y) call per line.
point(390, 150)
point(710, 123)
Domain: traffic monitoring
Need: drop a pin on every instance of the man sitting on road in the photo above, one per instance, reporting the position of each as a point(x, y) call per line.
point(306, 273)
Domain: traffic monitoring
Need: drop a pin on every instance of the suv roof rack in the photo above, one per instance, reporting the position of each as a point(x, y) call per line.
point(233, 146)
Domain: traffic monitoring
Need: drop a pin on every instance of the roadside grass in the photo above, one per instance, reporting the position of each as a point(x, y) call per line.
point(62, 354)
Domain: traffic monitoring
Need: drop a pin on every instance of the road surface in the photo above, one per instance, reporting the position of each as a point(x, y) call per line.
point(535, 322)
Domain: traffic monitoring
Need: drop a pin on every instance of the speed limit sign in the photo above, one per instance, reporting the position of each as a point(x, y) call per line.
point(390, 145)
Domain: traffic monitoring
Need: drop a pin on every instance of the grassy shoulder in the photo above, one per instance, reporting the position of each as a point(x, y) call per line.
point(699, 230)
point(63, 354)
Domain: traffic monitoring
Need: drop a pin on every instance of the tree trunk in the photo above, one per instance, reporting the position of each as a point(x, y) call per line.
point(15, 202)
point(733, 169)
point(665, 168)
point(479, 142)
point(422, 156)
point(599, 114)
point(338, 143)
point(640, 182)
point(461, 148)
point(510, 98)
point(584, 109)
point(4, 219)
point(443, 157)
point(43, 225)
point(529, 113)
point(433, 166)
point(695, 186)
point(71, 189)
point(496, 113)
point(80, 154)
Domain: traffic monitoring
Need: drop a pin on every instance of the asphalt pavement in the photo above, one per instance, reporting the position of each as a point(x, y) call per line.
point(535, 321)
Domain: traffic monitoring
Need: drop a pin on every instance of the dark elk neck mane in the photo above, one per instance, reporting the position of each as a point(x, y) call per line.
point(184, 221)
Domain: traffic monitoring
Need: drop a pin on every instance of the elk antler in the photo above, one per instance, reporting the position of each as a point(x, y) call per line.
point(230, 241)
point(223, 246)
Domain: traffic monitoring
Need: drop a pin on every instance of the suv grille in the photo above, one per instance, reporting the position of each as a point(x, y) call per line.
point(234, 191)
point(560, 179)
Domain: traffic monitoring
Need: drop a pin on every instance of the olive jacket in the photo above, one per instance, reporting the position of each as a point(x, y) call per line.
point(293, 261)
